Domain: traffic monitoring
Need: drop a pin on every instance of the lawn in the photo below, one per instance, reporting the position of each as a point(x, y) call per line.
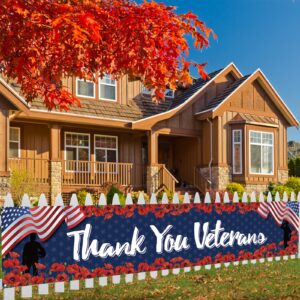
point(277, 280)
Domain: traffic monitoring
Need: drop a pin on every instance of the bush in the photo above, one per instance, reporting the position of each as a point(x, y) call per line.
point(297, 167)
point(81, 195)
point(271, 188)
point(21, 182)
point(135, 196)
point(235, 187)
point(114, 190)
point(291, 165)
point(160, 194)
point(281, 189)
point(294, 184)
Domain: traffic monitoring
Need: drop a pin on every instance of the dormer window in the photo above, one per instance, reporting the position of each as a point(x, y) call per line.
point(107, 88)
point(85, 88)
point(168, 93)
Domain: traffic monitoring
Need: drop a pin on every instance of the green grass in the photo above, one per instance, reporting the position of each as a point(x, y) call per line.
point(277, 280)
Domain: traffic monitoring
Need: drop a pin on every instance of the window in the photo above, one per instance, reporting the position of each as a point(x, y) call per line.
point(106, 150)
point(14, 142)
point(77, 148)
point(85, 88)
point(237, 151)
point(261, 153)
point(168, 93)
point(107, 88)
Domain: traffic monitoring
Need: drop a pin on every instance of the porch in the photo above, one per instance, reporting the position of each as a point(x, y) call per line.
point(69, 176)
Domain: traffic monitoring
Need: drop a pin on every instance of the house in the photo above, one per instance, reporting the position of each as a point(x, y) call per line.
point(229, 127)
point(293, 149)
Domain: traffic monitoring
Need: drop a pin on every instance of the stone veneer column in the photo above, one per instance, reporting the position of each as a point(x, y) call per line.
point(153, 168)
point(152, 179)
point(283, 176)
point(4, 186)
point(55, 162)
point(4, 142)
point(55, 179)
point(221, 176)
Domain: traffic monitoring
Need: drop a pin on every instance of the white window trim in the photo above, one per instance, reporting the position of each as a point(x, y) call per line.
point(19, 142)
point(146, 91)
point(84, 96)
point(241, 151)
point(76, 147)
point(116, 149)
point(109, 84)
point(273, 161)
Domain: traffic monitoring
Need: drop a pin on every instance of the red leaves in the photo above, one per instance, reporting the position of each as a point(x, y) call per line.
point(43, 41)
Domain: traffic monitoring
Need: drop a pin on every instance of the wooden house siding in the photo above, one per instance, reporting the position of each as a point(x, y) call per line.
point(251, 99)
point(127, 89)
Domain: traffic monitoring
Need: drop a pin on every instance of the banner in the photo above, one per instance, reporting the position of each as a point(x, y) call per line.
point(55, 244)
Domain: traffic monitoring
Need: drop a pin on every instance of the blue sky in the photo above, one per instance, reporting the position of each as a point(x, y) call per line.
point(254, 34)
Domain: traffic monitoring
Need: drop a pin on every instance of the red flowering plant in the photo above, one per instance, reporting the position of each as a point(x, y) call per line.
point(61, 277)
point(37, 279)
point(57, 268)
point(143, 267)
point(176, 262)
point(15, 276)
point(12, 279)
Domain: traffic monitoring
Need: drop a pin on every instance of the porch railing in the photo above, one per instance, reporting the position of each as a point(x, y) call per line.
point(88, 173)
point(166, 179)
point(200, 182)
point(36, 169)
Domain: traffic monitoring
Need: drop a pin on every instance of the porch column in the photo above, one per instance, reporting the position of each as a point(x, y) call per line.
point(55, 162)
point(152, 168)
point(4, 152)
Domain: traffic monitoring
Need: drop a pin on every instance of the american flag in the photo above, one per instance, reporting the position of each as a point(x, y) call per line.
point(19, 222)
point(288, 211)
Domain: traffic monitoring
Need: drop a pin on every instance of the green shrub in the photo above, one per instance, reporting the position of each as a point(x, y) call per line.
point(235, 187)
point(297, 167)
point(291, 165)
point(160, 194)
point(294, 184)
point(271, 188)
point(21, 182)
point(114, 190)
point(281, 189)
point(81, 195)
point(135, 196)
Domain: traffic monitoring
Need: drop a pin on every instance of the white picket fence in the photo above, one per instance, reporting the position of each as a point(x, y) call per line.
point(59, 287)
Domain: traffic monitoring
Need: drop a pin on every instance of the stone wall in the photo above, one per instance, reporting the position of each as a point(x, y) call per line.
point(221, 176)
point(55, 179)
point(249, 188)
point(283, 176)
point(152, 179)
point(4, 187)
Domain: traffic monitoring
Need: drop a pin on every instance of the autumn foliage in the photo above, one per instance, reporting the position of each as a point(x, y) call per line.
point(46, 40)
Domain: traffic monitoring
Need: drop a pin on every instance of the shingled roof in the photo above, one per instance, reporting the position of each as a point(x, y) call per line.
point(139, 108)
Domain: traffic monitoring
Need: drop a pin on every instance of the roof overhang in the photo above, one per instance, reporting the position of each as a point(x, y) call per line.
point(13, 96)
point(65, 117)
point(270, 90)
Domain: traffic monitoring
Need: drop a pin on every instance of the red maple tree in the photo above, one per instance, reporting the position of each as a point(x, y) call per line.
point(43, 41)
